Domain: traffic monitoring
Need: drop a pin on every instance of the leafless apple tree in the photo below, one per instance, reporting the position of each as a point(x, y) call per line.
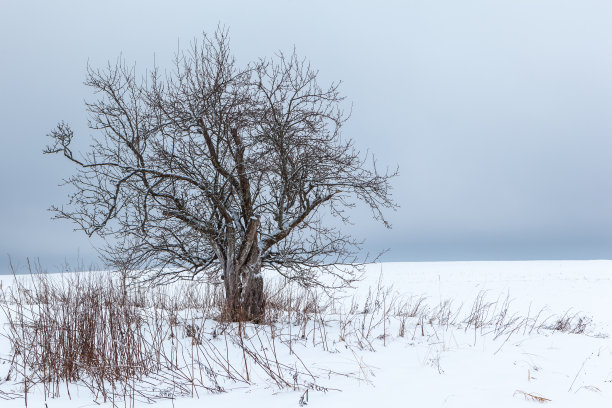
point(220, 169)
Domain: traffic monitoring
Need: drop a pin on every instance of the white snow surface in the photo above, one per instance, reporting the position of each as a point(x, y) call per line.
point(449, 366)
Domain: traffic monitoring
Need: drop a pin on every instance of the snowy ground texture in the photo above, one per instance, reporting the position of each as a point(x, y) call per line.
point(448, 334)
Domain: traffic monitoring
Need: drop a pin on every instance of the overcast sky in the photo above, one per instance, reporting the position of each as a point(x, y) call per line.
point(498, 113)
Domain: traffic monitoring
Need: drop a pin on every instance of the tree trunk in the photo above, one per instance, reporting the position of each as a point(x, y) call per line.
point(244, 296)
point(253, 300)
point(245, 300)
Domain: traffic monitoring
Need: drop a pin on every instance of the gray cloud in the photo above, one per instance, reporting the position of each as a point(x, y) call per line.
point(497, 113)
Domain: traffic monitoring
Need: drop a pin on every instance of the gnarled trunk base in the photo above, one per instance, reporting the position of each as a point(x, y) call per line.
point(244, 295)
point(253, 300)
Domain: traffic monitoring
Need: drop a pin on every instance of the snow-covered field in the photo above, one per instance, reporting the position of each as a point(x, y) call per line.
point(514, 358)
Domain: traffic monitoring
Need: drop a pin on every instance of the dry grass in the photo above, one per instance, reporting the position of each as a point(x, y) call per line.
point(130, 342)
point(570, 323)
point(532, 397)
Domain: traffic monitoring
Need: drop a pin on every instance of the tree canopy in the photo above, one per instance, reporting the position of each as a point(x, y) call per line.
point(222, 169)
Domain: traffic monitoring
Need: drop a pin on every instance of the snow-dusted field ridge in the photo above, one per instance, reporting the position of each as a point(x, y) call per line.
point(483, 334)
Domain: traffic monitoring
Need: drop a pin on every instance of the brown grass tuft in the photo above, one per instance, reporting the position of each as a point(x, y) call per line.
point(532, 397)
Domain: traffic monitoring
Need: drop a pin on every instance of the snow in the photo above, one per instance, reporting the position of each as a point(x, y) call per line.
point(437, 365)
point(583, 286)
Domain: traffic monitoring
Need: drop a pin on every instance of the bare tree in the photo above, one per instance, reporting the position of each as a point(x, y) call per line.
point(217, 168)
